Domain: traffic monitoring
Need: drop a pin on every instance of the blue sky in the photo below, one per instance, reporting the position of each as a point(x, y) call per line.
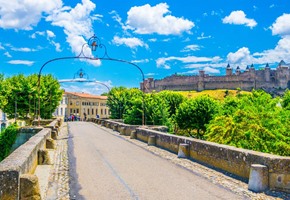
point(161, 37)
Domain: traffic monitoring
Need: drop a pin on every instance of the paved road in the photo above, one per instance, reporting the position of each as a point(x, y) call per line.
point(105, 166)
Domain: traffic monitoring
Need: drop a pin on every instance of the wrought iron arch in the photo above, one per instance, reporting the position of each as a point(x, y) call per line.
point(94, 43)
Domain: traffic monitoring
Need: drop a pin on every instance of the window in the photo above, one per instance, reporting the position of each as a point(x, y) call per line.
point(70, 103)
point(77, 110)
point(88, 111)
point(96, 111)
point(101, 111)
point(105, 111)
point(70, 111)
point(61, 112)
point(92, 111)
point(77, 103)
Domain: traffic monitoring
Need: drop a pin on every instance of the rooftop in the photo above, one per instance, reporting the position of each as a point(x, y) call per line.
point(86, 95)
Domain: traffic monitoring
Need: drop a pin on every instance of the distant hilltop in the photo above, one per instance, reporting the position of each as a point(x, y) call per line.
point(266, 79)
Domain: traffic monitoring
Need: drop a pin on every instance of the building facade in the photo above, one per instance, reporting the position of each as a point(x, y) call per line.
point(3, 120)
point(266, 79)
point(85, 106)
point(61, 110)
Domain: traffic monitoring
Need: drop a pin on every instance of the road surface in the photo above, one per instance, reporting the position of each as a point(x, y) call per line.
point(105, 166)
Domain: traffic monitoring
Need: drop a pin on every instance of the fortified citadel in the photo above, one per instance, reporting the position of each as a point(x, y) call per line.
point(267, 79)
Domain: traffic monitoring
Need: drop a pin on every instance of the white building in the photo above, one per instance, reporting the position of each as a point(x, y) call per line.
point(3, 120)
point(61, 110)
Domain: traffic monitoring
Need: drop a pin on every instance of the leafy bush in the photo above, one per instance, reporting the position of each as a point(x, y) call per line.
point(7, 139)
point(252, 122)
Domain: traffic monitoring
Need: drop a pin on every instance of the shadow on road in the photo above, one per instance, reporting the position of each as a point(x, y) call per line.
point(73, 181)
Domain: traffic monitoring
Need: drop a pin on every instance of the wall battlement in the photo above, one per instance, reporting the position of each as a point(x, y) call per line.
point(266, 79)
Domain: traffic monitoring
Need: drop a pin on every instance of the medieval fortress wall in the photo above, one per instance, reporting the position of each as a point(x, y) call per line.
point(266, 78)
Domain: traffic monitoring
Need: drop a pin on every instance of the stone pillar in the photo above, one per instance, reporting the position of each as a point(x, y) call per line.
point(115, 127)
point(29, 187)
point(122, 131)
point(54, 135)
point(108, 125)
point(183, 150)
point(50, 144)
point(43, 157)
point(152, 140)
point(133, 135)
point(259, 178)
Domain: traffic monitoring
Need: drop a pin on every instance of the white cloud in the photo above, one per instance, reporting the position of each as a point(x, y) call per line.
point(242, 56)
point(211, 70)
point(118, 19)
point(77, 23)
point(151, 74)
point(1, 47)
point(239, 17)
point(282, 25)
point(21, 62)
point(140, 61)
point(202, 65)
point(163, 62)
point(207, 70)
point(90, 88)
point(129, 42)
point(7, 54)
point(152, 40)
point(50, 34)
point(42, 33)
point(23, 49)
point(149, 19)
point(202, 37)
point(192, 47)
point(19, 15)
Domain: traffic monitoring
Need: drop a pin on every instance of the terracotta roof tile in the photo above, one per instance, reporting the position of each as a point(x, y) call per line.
point(86, 95)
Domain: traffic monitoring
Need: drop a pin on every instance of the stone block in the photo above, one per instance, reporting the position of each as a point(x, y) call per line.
point(102, 123)
point(115, 127)
point(9, 180)
point(43, 157)
point(183, 150)
point(152, 140)
point(123, 131)
point(133, 135)
point(50, 143)
point(54, 135)
point(29, 187)
point(259, 178)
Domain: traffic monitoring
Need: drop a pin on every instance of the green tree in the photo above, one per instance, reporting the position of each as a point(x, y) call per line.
point(257, 123)
point(156, 109)
point(23, 92)
point(120, 99)
point(195, 114)
point(172, 100)
point(286, 100)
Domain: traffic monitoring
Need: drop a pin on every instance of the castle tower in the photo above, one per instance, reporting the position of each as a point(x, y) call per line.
point(229, 70)
point(238, 71)
point(267, 73)
point(200, 83)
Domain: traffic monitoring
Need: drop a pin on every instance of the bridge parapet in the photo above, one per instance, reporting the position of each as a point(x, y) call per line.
point(23, 161)
point(231, 159)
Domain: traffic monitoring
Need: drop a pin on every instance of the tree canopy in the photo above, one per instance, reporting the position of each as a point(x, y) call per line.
point(19, 95)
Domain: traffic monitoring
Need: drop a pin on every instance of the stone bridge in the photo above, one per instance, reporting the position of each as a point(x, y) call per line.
point(33, 170)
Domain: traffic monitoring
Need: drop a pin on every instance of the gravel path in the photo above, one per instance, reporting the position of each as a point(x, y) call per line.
point(58, 186)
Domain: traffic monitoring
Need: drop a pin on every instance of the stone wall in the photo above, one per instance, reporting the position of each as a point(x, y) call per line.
point(22, 161)
point(230, 159)
point(249, 79)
